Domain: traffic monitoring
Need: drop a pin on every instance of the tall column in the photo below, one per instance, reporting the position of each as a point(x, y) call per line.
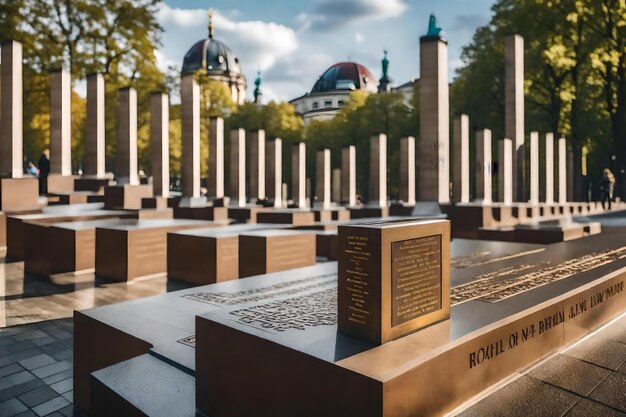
point(257, 164)
point(335, 185)
point(273, 165)
point(348, 175)
point(570, 176)
point(94, 126)
point(215, 177)
point(60, 122)
point(461, 178)
point(549, 168)
point(126, 152)
point(190, 142)
point(483, 166)
point(562, 171)
point(434, 151)
point(160, 143)
point(322, 178)
point(298, 174)
point(534, 167)
point(378, 170)
point(514, 108)
point(407, 170)
point(505, 171)
point(238, 167)
point(11, 108)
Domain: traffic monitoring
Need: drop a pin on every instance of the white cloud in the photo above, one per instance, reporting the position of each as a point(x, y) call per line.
point(359, 38)
point(334, 14)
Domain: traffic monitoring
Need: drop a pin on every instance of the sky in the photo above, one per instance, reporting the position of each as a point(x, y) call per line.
point(292, 42)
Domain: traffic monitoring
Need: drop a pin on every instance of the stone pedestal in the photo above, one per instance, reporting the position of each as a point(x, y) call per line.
point(534, 168)
point(126, 196)
point(294, 217)
point(407, 170)
point(60, 184)
point(274, 171)
point(90, 183)
point(247, 214)
point(11, 109)
point(461, 167)
point(215, 177)
point(505, 171)
point(201, 213)
point(322, 178)
point(19, 194)
point(348, 176)
point(335, 186)
point(514, 109)
point(549, 179)
point(434, 151)
point(159, 202)
point(238, 167)
point(60, 127)
point(378, 171)
point(190, 143)
point(3, 230)
point(484, 166)
point(298, 174)
point(160, 143)
point(326, 244)
point(94, 127)
point(256, 167)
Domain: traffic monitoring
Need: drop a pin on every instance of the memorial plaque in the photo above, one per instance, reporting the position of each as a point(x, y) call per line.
point(394, 277)
point(415, 278)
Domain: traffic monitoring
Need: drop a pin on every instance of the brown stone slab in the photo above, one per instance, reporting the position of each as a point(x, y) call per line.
point(126, 252)
point(368, 212)
point(91, 184)
point(245, 214)
point(326, 244)
point(61, 184)
point(268, 251)
point(3, 230)
point(201, 213)
point(548, 234)
point(126, 196)
point(159, 202)
point(394, 277)
point(19, 194)
point(73, 197)
point(149, 213)
point(294, 217)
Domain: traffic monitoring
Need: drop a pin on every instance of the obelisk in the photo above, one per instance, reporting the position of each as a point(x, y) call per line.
point(484, 166)
point(378, 171)
point(461, 175)
point(238, 167)
point(126, 152)
point(160, 143)
point(348, 176)
point(215, 177)
point(190, 143)
point(514, 109)
point(322, 178)
point(407, 170)
point(94, 127)
point(298, 174)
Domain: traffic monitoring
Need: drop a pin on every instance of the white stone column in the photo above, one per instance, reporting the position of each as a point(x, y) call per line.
point(298, 174)
point(505, 171)
point(348, 175)
point(60, 122)
point(11, 108)
point(461, 176)
point(549, 168)
point(215, 177)
point(238, 167)
point(94, 127)
point(126, 152)
point(407, 170)
point(378, 170)
point(322, 174)
point(190, 149)
point(514, 108)
point(335, 185)
point(257, 164)
point(562, 171)
point(274, 176)
point(160, 143)
point(434, 145)
point(484, 166)
point(534, 168)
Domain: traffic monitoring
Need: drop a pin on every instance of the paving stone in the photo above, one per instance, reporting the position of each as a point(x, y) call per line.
point(6, 340)
point(20, 389)
point(571, 374)
point(600, 351)
point(63, 386)
point(28, 413)
point(612, 391)
point(69, 396)
point(11, 407)
point(51, 406)
point(67, 411)
point(10, 369)
point(18, 356)
point(15, 379)
point(33, 334)
point(38, 396)
point(616, 331)
point(16, 347)
point(55, 368)
point(587, 408)
point(42, 341)
point(519, 399)
point(37, 361)
point(53, 379)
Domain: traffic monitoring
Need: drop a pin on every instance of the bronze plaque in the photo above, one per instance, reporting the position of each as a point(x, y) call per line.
point(415, 278)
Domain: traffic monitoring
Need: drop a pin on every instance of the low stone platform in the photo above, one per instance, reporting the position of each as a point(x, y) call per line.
point(247, 214)
point(126, 196)
point(326, 244)
point(368, 211)
point(19, 194)
point(201, 213)
point(330, 214)
point(295, 217)
point(3, 230)
point(78, 197)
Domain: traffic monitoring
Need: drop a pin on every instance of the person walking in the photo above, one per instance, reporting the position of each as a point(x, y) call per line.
point(607, 183)
point(44, 169)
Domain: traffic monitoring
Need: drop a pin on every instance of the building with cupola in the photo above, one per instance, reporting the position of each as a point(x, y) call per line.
point(220, 63)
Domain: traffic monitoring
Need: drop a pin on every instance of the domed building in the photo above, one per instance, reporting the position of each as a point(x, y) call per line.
point(220, 63)
point(332, 89)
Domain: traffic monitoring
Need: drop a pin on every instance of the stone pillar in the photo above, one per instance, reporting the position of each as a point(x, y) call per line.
point(322, 178)
point(534, 168)
point(11, 108)
point(378, 170)
point(238, 167)
point(335, 184)
point(215, 177)
point(484, 166)
point(562, 180)
point(257, 165)
point(549, 168)
point(298, 174)
point(514, 108)
point(348, 175)
point(126, 152)
point(160, 143)
point(434, 151)
point(274, 176)
point(407, 170)
point(60, 122)
point(570, 176)
point(505, 171)
point(190, 149)
point(461, 177)
point(94, 127)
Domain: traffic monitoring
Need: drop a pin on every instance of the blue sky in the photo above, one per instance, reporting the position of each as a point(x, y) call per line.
point(292, 42)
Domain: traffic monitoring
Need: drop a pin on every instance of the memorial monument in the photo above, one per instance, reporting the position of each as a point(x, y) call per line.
point(514, 109)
